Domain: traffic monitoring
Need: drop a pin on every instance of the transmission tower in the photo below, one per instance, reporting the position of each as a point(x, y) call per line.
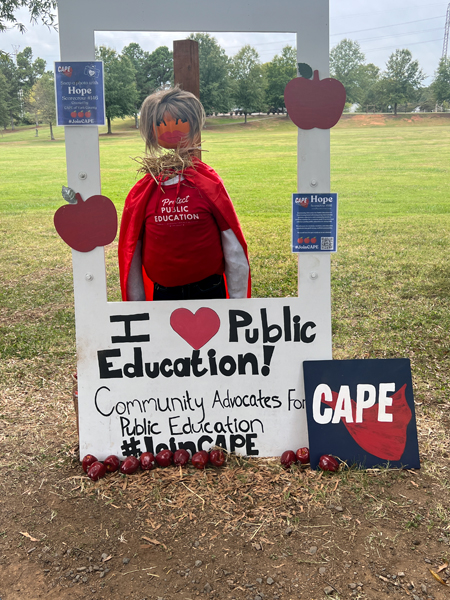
point(447, 29)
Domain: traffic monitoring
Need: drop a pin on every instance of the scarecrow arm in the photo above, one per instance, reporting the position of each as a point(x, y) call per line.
point(236, 265)
point(135, 282)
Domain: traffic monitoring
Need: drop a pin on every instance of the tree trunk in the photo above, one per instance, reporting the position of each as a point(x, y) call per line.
point(395, 108)
point(109, 124)
point(37, 131)
point(136, 120)
point(245, 118)
point(12, 123)
point(51, 131)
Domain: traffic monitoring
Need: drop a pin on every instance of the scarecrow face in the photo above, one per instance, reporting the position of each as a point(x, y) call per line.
point(172, 133)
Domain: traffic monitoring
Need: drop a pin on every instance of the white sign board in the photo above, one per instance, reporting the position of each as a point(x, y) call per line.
point(261, 363)
point(227, 373)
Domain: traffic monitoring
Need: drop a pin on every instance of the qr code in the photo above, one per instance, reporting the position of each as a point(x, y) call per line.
point(327, 243)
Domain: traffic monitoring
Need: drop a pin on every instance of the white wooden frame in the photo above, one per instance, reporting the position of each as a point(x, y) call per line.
point(78, 21)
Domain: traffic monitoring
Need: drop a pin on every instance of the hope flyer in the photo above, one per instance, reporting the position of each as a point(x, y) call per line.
point(80, 96)
point(314, 222)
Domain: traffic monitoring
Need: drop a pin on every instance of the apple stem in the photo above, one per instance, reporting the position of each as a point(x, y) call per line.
point(78, 197)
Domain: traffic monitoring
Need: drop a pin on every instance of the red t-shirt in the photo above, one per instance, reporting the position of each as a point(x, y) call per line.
point(181, 238)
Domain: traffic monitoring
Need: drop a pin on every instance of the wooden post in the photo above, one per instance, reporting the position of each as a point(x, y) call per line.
point(186, 70)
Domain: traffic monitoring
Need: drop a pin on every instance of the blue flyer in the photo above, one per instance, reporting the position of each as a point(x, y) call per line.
point(314, 222)
point(80, 94)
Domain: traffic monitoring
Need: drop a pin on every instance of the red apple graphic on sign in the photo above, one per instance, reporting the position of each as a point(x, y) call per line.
point(314, 102)
point(73, 114)
point(87, 114)
point(86, 225)
point(81, 114)
point(313, 240)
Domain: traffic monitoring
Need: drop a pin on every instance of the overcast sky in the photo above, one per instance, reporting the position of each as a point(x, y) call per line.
point(391, 24)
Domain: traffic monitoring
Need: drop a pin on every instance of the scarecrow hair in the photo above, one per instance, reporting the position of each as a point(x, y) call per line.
point(180, 105)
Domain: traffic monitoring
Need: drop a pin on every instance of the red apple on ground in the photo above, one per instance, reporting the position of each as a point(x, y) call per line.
point(96, 471)
point(302, 455)
point(112, 463)
point(86, 225)
point(200, 459)
point(164, 458)
point(288, 458)
point(129, 466)
point(328, 463)
point(217, 458)
point(314, 102)
point(181, 457)
point(147, 461)
point(87, 462)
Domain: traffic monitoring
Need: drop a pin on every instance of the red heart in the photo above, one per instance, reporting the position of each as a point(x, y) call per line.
point(196, 329)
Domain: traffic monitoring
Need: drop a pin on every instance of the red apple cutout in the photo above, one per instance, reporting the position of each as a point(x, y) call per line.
point(73, 114)
point(86, 225)
point(314, 102)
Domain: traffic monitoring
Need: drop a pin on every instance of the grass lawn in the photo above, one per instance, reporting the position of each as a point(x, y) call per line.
point(374, 531)
point(390, 278)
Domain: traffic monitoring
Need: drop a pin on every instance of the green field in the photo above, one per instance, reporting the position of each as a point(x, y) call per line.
point(390, 278)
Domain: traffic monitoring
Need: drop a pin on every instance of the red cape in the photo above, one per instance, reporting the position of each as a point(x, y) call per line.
point(208, 183)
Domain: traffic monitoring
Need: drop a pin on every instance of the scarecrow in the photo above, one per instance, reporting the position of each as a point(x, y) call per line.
point(180, 238)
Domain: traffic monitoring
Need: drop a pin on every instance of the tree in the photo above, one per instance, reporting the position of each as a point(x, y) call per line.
point(10, 89)
point(402, 79)
point(28, 72)
point(427, 99)
point(44, 10)
point(42, 100)
point(120, 84)
point(138, 58)
point(4, 112)
point(368, 78)
point(248, 80)
point(441, 83)
point(278, 73)
point(215, 88)
point(159, 69)
point(346, 60)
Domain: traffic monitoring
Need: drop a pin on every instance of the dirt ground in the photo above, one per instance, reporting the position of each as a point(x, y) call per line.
point(248, 531)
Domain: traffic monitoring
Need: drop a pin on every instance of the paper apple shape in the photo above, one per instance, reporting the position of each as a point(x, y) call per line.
point(314, 102)
point(86, 225)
